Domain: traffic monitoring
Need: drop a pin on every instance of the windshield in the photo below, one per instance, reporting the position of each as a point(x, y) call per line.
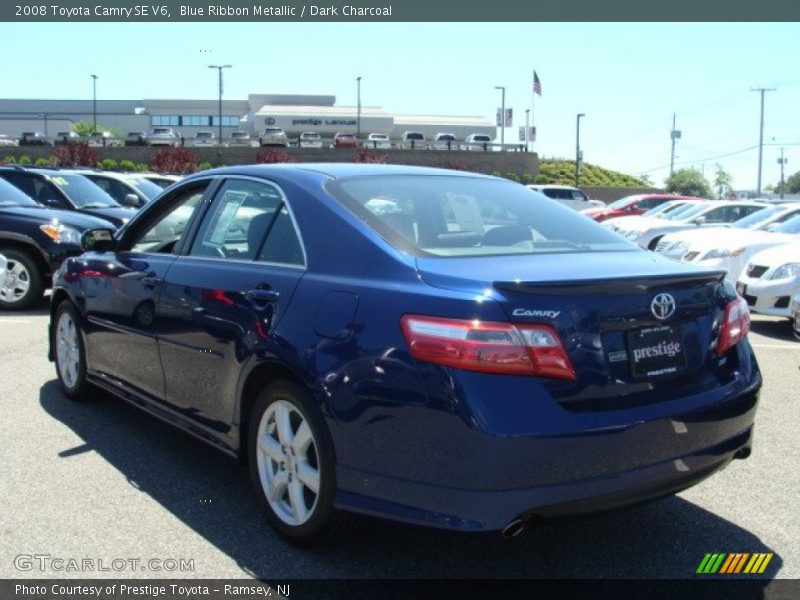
point(11, 195)
point(414, 136)
point(148, 188)
point(790, 226)
point(623, 202)
point(757, 218)
point(465, 216)
point(686, 212)
point(82, 192)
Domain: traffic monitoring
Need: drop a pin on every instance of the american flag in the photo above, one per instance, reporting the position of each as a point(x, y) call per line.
point(537, 85)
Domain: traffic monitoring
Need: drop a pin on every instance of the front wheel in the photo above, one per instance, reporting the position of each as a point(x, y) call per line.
point(291, 462)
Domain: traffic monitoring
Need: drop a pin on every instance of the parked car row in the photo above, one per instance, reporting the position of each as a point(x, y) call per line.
point(410, 140)
point(756, 244)
point(44, 212)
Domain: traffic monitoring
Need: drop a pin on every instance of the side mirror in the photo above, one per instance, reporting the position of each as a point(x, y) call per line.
point(98, 240)
point(131, 200)
point(773, 227)
point(699, 221)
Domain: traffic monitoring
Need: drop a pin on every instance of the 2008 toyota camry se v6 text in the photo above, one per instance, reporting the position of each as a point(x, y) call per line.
point(429, 346)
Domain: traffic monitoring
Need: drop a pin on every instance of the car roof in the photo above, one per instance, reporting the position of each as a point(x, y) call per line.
point(551, 186)
point(333, 170)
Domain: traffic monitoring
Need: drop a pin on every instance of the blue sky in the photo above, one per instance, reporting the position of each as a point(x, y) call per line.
point(627, 78)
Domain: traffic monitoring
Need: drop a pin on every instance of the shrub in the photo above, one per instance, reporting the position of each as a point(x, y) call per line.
point(366, 155)
point(269, 156)
point(456, 165)
point(142, 167)
point(109, 164)
point(42, 162)
point(127, 165)
point(11, 160)
point(25, 160)
point(174, 160)
point(512, 177)
point(75, 155)
point(204, 166)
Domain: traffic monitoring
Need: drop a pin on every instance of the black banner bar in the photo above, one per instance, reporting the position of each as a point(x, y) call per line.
point(399, 11)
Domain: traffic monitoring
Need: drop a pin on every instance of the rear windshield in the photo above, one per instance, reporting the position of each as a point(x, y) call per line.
point(790, 226)
point(428, 215)
point(147, 187)
point(414, 136)
point(755, 219)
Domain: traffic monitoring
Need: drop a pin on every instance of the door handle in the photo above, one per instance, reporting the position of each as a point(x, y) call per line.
point(151, 282)
point(261, 295)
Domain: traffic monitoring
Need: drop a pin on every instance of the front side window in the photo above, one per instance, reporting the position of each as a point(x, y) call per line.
point(468, 216)
point(248, 220)
point(163, 231)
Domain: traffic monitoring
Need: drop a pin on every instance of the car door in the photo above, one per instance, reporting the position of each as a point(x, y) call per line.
point(121, 296)
point(224, 295)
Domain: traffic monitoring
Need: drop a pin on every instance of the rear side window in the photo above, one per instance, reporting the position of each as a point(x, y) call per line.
point(468, 216)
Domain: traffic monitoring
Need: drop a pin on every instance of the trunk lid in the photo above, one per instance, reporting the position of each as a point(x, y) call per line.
point(638, 328)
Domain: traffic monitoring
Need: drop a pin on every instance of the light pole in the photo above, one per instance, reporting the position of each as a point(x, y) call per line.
point(502, 115)
point(761, 134)
point(94, 103)
point(358, 108)
point(219, 69)
point(782, 161)
point(578, 148)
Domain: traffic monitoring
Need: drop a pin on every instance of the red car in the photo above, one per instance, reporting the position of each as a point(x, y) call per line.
point(344, 140)
point(631, 205)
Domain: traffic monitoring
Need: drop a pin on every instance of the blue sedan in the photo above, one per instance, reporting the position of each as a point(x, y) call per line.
point(430, 346)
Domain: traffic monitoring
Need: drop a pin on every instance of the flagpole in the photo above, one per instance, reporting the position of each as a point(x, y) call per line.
point(529, 147)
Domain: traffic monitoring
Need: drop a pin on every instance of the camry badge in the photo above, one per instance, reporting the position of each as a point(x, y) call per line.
point(662, 306)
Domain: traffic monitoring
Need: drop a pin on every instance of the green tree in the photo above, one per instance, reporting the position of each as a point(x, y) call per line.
point(84, 128)
point(793, 184)
point(688, 182)
point(722, 182)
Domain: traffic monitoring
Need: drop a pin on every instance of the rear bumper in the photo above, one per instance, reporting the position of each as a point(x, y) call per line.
point(477, 481)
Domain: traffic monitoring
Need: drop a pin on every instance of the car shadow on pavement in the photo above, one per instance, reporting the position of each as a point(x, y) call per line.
point(209, 493)
point(778, 329)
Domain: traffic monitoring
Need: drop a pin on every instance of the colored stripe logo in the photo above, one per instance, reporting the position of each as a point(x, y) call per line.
point(733, 563)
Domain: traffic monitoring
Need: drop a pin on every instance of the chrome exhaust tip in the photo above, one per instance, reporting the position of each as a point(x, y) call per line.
point(515, 528)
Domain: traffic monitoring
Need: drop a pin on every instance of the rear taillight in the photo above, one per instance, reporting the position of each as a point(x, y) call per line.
point(487, 346)
point(735, 325)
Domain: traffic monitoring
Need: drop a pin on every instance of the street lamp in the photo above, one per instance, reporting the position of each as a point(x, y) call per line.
point(94, 103)
point(578, 148)
point(219, 69)
point(502, 115)
point(358, 109)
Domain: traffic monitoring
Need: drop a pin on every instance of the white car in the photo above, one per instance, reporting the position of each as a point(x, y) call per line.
point(204, 139)
point(477, 141)
point(242, 139)
point(411, 140)
point(698, 242)
point(274, 136)
point(771, 279)
point(566, 195)
point(310, 139)
point(163, 136)
point(704, 214)
point(795, 311)
point(160, 179)
point(444, 141)
point(662, 211)
point(378, 141)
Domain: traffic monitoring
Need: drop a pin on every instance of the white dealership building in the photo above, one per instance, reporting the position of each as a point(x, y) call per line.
point(295, 113)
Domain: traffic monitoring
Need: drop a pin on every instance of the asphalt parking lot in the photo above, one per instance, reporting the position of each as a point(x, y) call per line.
point(101, 480)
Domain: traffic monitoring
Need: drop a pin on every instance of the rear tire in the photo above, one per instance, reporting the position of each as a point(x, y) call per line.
point(70, 356)
point(291, 463)
point(21, 285)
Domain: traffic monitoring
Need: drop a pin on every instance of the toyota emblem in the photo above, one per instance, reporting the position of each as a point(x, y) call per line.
point(662, 306)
